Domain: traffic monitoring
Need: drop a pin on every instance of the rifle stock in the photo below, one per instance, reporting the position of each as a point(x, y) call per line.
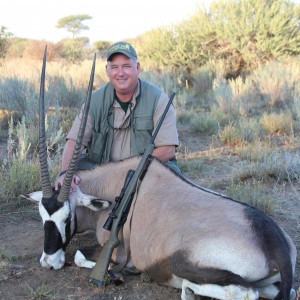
point(98, 272)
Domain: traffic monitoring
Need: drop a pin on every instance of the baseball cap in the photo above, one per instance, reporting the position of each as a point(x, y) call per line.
point(121, 47)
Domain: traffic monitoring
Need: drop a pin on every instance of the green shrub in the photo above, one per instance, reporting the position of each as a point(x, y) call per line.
point(202, 80)
point(223, 96)
point(164, 80)
point(62, 92)
point(192, 166)
point(218, 114)
point(251, 129)
point(204, 123)
point(231, 136)
point(18, 95)
point(184, 117)
point(20, 171)
point(19, 176)
point(275, 84)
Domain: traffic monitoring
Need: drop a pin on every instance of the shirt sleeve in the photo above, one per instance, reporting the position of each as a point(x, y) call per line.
point(167, 134)
point(73, 133)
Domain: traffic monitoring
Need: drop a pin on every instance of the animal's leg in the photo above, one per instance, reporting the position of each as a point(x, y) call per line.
point(82, 262)
point(271, 291)
point(233, 292)
point(188, 294)
point(86, 257)
point(268, 289)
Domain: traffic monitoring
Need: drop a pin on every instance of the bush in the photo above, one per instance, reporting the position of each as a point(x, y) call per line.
point(275, 84)
point(275, 165)
point(17, 94)
point(231, 136)
point(184, 117)
point(255, 151)
point(204, 123)
point(223, 95)
point(164, 80)
point(20, 170)
point(254, 194)
point(202, 80)
point(251, 129)
point(19, 176)
point(277, 123)
point(61, 91)
point(193, 166)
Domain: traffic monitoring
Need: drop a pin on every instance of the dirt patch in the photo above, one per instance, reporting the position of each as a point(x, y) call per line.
point(21, 276)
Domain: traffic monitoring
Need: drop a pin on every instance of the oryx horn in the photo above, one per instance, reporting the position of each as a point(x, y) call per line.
point(65, 189)
point(45, 178)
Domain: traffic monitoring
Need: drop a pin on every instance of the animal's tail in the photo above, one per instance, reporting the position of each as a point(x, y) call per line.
point(286, 291)
point(284, 264)
point(286, 282)
point(277, 249)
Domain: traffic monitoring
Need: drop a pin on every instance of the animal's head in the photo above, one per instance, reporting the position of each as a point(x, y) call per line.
point(59, 221)
point(58, 209)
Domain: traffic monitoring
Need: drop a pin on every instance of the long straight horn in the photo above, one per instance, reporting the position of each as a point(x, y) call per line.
point(45, 178)
point(65, 189)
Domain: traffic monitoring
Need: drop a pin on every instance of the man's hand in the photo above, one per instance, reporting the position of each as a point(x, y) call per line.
point(60, 179)
point(164, 153)
point(66, 158)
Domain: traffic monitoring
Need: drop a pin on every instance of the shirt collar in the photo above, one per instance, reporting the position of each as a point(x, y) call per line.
point(134, 97)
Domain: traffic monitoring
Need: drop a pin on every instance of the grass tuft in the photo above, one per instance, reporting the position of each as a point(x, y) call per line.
point(254, 194)
point(231, 136)
point(40, 292)
point(278, 123)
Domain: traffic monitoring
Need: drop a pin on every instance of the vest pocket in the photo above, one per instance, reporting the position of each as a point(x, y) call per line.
point(97, 146)
point(143, 126)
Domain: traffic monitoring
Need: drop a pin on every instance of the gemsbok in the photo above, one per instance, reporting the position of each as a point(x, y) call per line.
point(181, 234)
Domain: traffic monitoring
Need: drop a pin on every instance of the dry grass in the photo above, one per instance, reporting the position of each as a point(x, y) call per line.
point(278, 123)
point(251, 156)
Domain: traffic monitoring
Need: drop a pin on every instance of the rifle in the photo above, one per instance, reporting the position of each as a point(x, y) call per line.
point(120, 211)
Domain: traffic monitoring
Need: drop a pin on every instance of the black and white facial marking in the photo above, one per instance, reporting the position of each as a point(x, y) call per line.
point(59, 226)
point(60, 223)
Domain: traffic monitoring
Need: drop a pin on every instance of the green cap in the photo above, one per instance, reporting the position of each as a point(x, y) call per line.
point(121, 47)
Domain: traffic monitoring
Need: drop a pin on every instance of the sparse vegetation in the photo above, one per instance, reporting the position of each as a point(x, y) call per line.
point(237, 102)
point(40, 292)
point(255, 194)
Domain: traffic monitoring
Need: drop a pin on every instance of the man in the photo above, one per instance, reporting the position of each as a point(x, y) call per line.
point(122, 116)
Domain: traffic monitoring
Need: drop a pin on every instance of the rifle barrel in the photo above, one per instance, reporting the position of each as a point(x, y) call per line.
point(98, 272)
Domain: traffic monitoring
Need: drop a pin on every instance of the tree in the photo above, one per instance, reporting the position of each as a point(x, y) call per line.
point(73, 50)
point(101, 46)
point(4, 34)
point(74, 23)
point(245, 33)
point(241, 34)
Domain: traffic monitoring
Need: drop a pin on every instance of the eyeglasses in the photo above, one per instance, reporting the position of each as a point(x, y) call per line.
point(110, 118)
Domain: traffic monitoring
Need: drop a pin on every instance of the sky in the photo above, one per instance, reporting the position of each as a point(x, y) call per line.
point(112, 20)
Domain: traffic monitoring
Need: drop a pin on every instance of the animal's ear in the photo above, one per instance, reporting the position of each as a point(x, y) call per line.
point(89, 201)
point(34, 197)
point(94, 204)
point(98, 204)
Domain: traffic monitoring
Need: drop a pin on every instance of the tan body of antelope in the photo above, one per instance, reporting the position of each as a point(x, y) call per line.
point(182, 235)
point(186, 236)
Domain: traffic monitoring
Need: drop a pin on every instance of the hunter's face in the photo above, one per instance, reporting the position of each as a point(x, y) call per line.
point(123, 73)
